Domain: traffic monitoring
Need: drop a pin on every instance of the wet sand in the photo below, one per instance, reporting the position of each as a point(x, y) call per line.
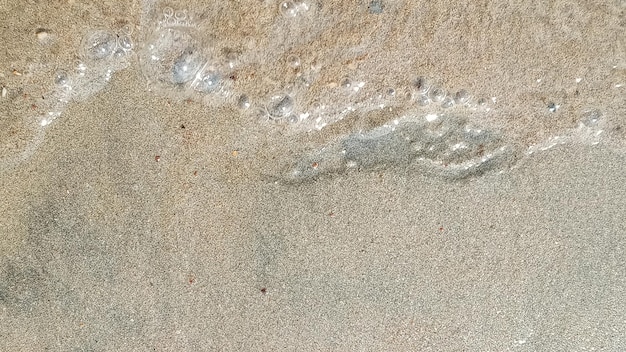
point(142, 222)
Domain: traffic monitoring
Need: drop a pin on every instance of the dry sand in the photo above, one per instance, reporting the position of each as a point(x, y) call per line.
point(139, 222)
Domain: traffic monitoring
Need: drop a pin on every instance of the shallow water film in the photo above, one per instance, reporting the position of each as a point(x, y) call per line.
point(312, 175)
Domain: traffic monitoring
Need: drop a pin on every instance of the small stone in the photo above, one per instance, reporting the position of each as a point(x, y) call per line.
point(43, 35)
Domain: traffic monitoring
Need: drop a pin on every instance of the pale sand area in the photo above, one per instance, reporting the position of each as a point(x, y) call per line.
point(104, 248)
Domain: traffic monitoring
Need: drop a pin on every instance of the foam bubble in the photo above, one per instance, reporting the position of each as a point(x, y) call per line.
point(437, 94)
point(166, 16)
point(280, 107)
point(243, 102)
point(186, 66)
point(293, 61)
point(422, 100)
point(207, 80)
point(124, 41)
point(62, 79)
point(447, 102)
point(99, 45)
point(180, 16)
point(168, 12)
point(171, 56)
point(591, 118)
point(288, 9)
point(462, 97)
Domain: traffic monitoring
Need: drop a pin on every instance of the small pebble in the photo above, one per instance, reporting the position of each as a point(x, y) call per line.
point(42, 36)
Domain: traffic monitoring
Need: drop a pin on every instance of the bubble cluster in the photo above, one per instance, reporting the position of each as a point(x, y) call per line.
point(441, 145)
point(293, 8)
point(169, 17)
point(172, 56)
point(102, 45)
point(300, 68)
point(102, 53)
point(175, 56)
point(178, 58)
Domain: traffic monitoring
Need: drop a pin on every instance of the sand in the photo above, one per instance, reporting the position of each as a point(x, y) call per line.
point(139, 221)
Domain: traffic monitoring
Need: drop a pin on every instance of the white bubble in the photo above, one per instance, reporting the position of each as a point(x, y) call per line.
point(293, 61)
point(280, 106)
point(462, 96)
point(99, 45)
point(288, 9)
point(172, 56)
point(591, 118)
point(243, 102)
point(180, 15)
point(124, 41)
point(61, 78)
point(422, 100)
point(168, 12)
point(437, 94)
point(447, 102)
point(208, 80)
point(186, 66)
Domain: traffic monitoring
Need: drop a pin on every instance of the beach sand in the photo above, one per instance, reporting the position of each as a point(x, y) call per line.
point(139, 220)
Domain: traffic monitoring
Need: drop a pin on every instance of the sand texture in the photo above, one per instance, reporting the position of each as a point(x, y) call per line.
point(312, 175)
